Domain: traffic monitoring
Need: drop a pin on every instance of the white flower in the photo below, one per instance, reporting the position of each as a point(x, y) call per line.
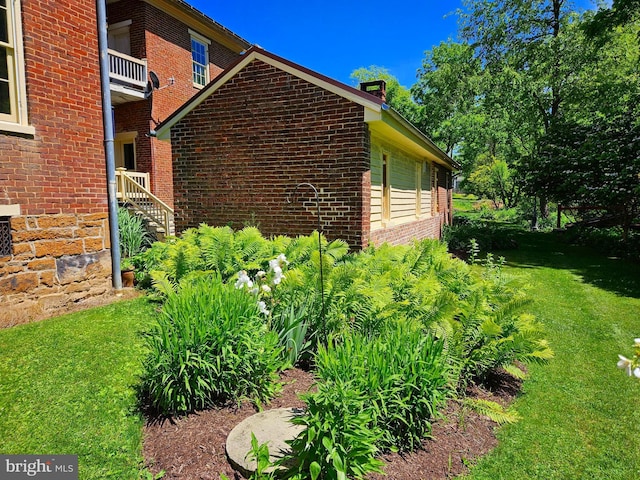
point(266, 288)
point(637, 343)
point(636, 372)
point(625, 363)
point(261, 273)
point(263, 308)
point(277, 278)
point(282, 259)
point(254, 291)
point(243, 279)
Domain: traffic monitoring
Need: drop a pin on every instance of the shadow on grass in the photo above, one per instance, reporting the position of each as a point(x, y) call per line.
point(537, 249)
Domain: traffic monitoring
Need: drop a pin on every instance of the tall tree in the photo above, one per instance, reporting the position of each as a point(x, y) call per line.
point(529, 48)
point(447, 88)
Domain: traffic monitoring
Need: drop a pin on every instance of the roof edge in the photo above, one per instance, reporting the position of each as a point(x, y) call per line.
point(365, 99)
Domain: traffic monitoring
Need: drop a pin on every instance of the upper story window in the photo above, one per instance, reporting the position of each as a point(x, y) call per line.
point(13, 98)
point(199, 59)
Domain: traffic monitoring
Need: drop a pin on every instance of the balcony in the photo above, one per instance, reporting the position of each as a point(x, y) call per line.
point(128, 78)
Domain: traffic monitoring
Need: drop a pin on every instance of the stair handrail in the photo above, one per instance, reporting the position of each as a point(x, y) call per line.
point(136, 195)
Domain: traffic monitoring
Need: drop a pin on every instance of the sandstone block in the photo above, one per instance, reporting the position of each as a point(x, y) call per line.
point(78, 268)
point(10, 269)
point(18, 223)
point(48, 279)
point(21, 282)
point(41, 234)
point(93, 245)
point(19, 248)
point(42, 264)
point(59, 248)
point(57, 221)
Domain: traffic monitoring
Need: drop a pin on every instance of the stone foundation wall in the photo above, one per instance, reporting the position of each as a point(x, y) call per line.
point(57, 260)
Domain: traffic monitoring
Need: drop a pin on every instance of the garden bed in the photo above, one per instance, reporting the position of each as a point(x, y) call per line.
point(193, 447)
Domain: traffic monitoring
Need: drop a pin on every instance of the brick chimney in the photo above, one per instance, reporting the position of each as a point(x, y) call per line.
point(377, 88)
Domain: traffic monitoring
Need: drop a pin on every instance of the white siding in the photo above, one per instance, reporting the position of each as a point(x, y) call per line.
point(403, 182)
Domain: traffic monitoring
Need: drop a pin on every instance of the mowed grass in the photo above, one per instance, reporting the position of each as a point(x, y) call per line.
point(67, 386)
point(580, 414)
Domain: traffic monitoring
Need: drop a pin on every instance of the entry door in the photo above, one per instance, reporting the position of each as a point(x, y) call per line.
point(125, 150)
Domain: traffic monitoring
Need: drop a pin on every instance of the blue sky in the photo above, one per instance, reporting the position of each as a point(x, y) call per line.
point(336, 37)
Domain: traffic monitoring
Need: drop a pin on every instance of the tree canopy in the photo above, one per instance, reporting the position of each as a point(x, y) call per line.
point(536, 99)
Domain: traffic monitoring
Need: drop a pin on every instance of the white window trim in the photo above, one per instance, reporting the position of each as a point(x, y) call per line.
point(206, 42)
point(20, 121)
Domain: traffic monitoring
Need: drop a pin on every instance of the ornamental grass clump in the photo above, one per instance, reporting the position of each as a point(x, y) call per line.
point(403, 377)
point(210, 346)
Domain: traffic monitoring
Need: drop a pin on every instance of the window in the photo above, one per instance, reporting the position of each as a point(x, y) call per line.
point(5, 237)
point(386, 189)
point(199, 59)
point(434, 190)
point(13, 101)
point(418, 188)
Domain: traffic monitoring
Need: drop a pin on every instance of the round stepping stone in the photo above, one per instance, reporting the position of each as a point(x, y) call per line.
point(271, 426)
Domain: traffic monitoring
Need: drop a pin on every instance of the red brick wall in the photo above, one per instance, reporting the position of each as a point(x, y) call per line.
point(60, 171)
point(240, 154)
point(404, 234)
point(62, 168)
point(166, 44)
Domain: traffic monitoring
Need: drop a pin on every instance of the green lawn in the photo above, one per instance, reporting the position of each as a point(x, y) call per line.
point(67, 386)
point(581, 415)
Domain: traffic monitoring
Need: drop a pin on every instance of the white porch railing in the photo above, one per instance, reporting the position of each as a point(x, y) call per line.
point(127, 69)
point(130, 190)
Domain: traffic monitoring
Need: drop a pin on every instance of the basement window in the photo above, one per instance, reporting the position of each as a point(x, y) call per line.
point(5, 237)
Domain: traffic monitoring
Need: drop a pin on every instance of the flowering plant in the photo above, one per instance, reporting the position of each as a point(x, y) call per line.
point(260, 285)
point(632, 366)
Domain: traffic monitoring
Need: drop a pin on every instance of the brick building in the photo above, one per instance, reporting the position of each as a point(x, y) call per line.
point(53, 195)
point(54, 232)
point(184, 49)
point(265, 125)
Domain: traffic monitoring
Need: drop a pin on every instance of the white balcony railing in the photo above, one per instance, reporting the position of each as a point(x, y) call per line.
point(126, 69)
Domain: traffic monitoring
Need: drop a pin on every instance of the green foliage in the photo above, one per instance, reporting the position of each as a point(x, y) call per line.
point(489, 236)
point(401, 375)
point(609, 240)
point(292, 326)
point(493, 410)
point(489, 331)
point(210, 346)
point(338, 441)
point(132, 233)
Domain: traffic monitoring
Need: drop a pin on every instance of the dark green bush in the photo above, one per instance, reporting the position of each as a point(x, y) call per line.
point(210, 346)
point(490, 236)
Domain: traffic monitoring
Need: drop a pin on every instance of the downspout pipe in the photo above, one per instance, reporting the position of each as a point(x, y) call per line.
point(109, 152)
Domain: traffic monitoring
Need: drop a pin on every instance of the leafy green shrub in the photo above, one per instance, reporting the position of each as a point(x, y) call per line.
point(401, 374)
point(490, 236)
point(132, 234)
point(339, 440)
point(210, 346)
point(610, 240)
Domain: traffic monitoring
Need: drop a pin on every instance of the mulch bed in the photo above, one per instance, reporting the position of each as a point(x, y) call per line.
point(193, 447)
